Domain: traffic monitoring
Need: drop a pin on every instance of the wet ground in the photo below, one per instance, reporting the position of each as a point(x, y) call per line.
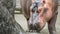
point(22, 21)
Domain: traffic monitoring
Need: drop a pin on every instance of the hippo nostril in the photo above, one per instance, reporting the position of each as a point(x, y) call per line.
point(36, 27)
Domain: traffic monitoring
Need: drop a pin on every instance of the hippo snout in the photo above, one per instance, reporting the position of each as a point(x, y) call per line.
point(34, 22)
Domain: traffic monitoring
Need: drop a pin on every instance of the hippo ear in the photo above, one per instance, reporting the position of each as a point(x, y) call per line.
point(43, 1)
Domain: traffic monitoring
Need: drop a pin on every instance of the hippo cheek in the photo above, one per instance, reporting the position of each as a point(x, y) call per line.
point(41, 22)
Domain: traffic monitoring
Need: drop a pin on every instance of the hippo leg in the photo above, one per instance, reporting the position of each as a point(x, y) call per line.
point(51, 25)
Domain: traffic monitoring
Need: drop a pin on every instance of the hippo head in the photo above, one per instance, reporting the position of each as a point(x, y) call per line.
point(35, 18)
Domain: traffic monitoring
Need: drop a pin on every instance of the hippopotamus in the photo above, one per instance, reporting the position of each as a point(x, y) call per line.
point(25, 5)
point(47, 12)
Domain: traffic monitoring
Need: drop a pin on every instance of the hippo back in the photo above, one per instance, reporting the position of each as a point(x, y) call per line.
point(25, 5)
